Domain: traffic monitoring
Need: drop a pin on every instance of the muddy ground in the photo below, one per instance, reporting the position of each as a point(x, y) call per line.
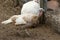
point(12, 32)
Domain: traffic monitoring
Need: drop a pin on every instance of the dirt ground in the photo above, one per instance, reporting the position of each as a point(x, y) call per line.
point(12, 32)
point(41, 32)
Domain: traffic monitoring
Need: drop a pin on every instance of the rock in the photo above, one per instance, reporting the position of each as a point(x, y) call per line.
point(52, 5)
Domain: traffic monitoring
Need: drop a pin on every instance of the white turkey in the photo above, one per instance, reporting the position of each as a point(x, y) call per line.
point(29, 10)
point(30, 13)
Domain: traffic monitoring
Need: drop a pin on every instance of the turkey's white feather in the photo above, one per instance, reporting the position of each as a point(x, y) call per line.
point(7, 21)
point(31, 7)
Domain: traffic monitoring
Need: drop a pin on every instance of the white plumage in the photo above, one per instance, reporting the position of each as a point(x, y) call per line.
point(31, 7)
point(30, 11)
point(21, 19)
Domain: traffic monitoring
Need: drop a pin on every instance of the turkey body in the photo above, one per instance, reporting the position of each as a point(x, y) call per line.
point(29, 14)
